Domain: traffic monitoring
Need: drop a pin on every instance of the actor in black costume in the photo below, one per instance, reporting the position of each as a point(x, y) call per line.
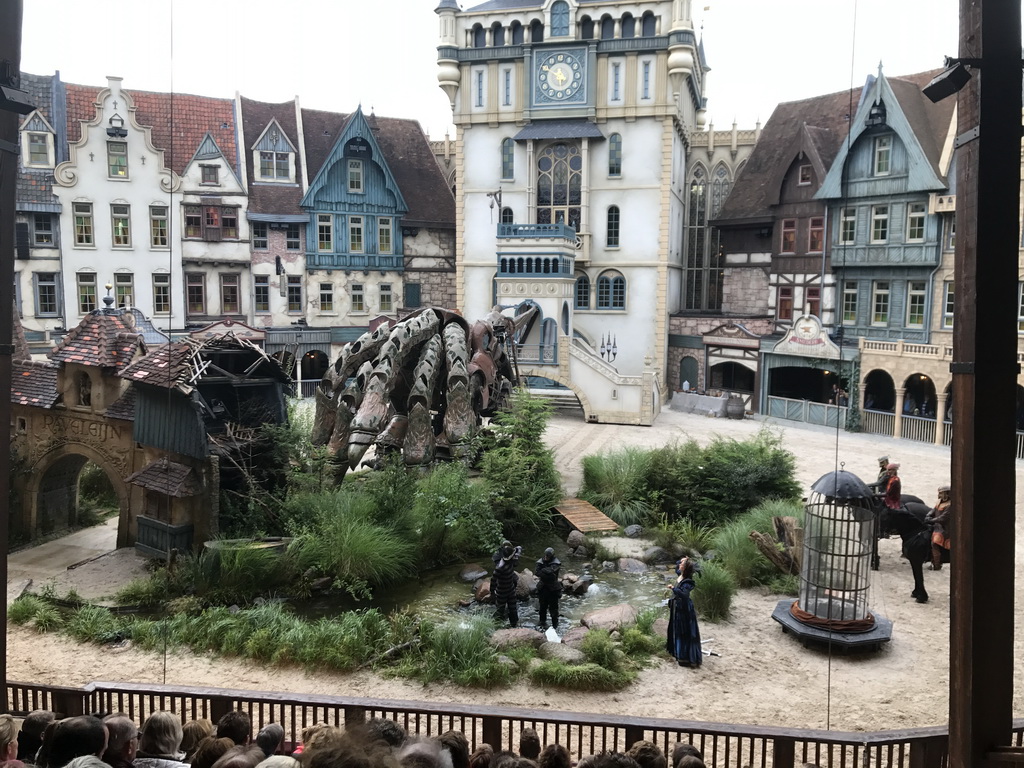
point(504, 581)
point(683, 633)
point(550, 588)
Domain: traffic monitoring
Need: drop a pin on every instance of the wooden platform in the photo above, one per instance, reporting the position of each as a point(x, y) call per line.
point(584, 516)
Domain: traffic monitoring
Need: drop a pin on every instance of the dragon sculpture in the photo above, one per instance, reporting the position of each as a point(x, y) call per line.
point(419, 388)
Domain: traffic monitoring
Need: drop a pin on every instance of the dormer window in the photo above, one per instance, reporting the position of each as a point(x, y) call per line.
point(355, 176)
point(210, 175)
point(883, 155)
point(36, 142)
point(38, 149)
point(274, 156)
point(117, 159)
point(273, 166)
point(805, 175)
point(559, 18)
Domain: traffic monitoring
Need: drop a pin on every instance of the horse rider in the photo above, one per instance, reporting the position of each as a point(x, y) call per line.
point(883, 475)
point(891, 497)
point(939, 519)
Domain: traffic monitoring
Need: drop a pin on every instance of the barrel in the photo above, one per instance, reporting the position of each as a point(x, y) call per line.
point(734, 407)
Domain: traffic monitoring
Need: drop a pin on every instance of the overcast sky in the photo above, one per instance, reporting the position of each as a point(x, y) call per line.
point(336, 54)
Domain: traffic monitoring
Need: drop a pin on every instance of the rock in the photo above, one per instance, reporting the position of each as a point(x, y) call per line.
point(574, 637)
point(575, 539)
point(634, 531)
point(570, 578)
point(323, 584)
point(561, 652)
point(465, 603)
point(508, 662)
point(611, 618)
point(233, 609)
point(259, 601)
point(533, 664)
point(615, 636)
point(482, 591)
point(471, 572)
point(581, 552)
point(607, 566)
point(527, 584)
point(656, 555)
point(660, 628)
point(581, 585)
point(632, 565)
point(503, 639)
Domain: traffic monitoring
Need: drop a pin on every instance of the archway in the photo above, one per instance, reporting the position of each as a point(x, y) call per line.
point(879, 392)
point(733, 377)
point(919, 395)
point(54, 490)
point(688, 372)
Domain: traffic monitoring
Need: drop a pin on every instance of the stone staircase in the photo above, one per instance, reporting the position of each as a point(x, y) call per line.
point(563, 401)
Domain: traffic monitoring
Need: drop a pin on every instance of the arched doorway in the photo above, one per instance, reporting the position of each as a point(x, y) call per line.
point(879, 392)
point(919, 396)
point(58, 495)
point(312, 368)
point(688, 372)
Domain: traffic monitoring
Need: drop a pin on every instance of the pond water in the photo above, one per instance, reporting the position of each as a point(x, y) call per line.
point(436, 594)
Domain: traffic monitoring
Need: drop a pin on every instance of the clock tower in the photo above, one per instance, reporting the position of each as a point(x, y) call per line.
point(574, 121)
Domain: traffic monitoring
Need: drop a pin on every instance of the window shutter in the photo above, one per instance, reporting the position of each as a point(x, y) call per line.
point(21, 240)
point(412, 295)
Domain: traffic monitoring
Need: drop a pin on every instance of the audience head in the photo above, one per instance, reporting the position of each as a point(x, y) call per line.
point(690, 761)
point(386, 730)
point(161, 735)
point(241, 756)
point(610, 760)
point(554, 756)
point(330, 748)
point(420, 753)
point(280, 761)
point(74, 737)
point(457, 746)
point(648, 755)
point(269, 738)
point(482, 756)
point(193, 732)
point(122, 740)
point(31, 736)
point(235, 725)
point(8, 738)
point(529, 744)
point(209, 751)
point(682, 748)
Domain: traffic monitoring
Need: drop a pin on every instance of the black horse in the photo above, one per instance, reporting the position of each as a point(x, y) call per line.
point(909, 523)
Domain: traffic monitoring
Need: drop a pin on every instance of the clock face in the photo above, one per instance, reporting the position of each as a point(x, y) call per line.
point(559, 76)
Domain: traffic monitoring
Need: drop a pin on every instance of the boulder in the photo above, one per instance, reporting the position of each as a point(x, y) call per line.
point(581, 552)
point(581, 585)
point(471, 572)
point(561, 652)
point(503, 639)
point(527, 584)
point(574, 637)
point(657, 555)
point(533, 664)
point(660, 628)
point(575, 539)
point(607, 566)
point(323, 584)
point(570, 578)
point(634, 531)
point(508, 663)
point(482, 591)
point(612, 618)
point(632, 565)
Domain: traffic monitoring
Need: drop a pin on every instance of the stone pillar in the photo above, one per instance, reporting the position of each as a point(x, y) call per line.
point(940, 417)
point(897, 425)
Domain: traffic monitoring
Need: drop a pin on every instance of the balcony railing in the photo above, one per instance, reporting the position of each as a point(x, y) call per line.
point(537, 354)
point(535, 266)
point(537, 231)
point(724, 745)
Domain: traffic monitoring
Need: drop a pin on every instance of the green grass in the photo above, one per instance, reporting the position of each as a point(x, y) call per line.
point(92, 624)
point(24, 609)
point(617, 484)
point(581, 677)
point(600, 649)
point(459, 650)
point(48, 619)
point(714, 592)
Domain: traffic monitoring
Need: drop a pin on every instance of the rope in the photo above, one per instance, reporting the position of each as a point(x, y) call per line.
point(845, 626)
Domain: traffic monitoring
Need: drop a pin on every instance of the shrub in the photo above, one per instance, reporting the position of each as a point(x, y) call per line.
point(686, 533)
point(454, 517)
point(48, 619)
point(638, 644)
point(581, 677)
point(460, 651)
point(736, 552)
point(24, 609)
point(785, 584)
point(92, 624)
point(617, 484)
point(599, 648)
point(715, 589)
point(144, 591)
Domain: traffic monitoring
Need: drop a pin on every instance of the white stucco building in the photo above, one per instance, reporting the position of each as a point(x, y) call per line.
point(574, 124)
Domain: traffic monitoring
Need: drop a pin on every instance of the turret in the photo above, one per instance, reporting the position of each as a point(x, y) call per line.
point(448, 75)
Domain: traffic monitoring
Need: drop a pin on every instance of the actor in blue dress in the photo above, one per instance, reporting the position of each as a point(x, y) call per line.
point(683, 632)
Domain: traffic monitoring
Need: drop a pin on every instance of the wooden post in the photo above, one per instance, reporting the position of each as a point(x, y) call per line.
point(10, 67)
point(927, 753)
point(984, 372)
point(783, 753)
point(220, 706)
point(354, 716)
point(492, 731)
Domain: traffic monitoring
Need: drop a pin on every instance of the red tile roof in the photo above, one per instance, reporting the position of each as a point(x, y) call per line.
point(33, 383)
point(179, 121)
point(104, 339)
point(168, 477)
point(166, 367)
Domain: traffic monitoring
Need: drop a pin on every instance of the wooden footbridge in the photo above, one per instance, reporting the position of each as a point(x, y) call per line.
point(584, 516)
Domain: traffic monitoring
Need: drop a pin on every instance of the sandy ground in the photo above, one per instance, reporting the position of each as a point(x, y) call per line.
point(761, 677)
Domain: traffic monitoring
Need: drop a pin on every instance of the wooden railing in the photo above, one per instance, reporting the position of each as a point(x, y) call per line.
point(723, 745)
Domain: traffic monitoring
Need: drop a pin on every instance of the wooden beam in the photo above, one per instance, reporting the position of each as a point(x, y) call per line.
point(984, 383)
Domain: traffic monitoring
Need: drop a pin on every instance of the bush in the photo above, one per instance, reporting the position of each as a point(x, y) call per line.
point(460, 651)
point(92, 624)
point(638, 644)
point(788, 584)
point(689, 535)
point(737, 553)
point(599, 648)
point(714, 591)
point(454, 518)
point(48, 619)
point(618, 484)
point(24, 609)
point(581, 677)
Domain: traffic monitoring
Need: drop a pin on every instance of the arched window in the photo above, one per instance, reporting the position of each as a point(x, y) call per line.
point(720, 186)
point(586, 28)
point(628, 25)
point(582, 292)
point(536, 31)
point(506, 216)
point(84, 388)
point(559, 183)
point(612, 236)
point(611, 291)
point(517, 33)
point(648, 26)
point(497, 35)
point(615, 155)
point(607, 28)
point(559, 18)
point(479, 36)
point(508, 159)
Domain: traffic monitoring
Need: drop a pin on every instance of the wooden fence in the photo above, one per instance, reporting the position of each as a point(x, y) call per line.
point(723, 745)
